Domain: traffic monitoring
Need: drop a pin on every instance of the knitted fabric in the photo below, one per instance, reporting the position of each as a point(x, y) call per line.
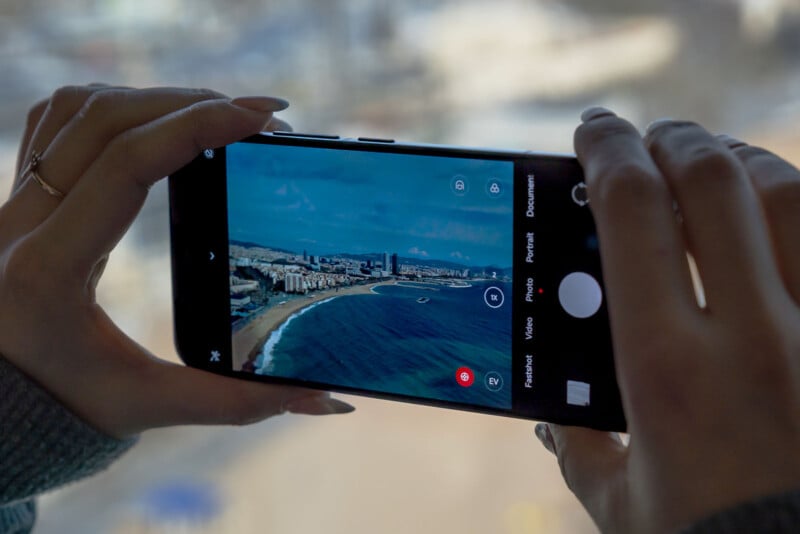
point(774, 514)
point(43, 445)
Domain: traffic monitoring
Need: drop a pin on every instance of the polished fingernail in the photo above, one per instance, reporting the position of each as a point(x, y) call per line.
point(657, 123)
point(542, 431)
point(319, 406)
point(596, 112)
point(730, 142)
point(261, 103)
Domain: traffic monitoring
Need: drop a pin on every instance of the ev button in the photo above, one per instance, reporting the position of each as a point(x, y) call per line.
point(493, 381)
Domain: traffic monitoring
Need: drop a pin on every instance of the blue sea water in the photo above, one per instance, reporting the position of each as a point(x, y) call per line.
point(389, 342)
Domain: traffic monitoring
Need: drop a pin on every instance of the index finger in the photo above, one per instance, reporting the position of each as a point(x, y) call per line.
point(644, 259)
point(105, 200)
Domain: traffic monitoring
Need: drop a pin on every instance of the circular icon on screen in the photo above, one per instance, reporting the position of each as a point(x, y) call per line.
point(465, 377)
point(493, 297)
point(580, 195)
point(459, 185)
point(580, 295)
point(208, 153)
point(493, 381)
point(494, 188)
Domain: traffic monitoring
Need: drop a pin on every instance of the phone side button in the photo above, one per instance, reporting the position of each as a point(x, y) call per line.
point(280, 133)
point(375, 140)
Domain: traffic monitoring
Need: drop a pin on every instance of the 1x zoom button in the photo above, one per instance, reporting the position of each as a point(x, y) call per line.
point(493, 297)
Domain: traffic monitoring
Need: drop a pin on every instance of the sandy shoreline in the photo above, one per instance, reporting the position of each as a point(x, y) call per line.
point(248, 341)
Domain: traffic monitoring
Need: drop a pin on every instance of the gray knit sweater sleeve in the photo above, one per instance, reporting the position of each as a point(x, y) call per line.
point(774, 514)
point(43, 445)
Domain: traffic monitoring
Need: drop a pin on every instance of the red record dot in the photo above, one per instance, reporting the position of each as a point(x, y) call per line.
point(465, 377)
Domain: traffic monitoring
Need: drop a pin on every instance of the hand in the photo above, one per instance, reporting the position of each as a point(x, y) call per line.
point(711, 393)
point(103, 147)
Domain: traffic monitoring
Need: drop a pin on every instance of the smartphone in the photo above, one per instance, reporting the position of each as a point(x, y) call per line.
point(456, 277)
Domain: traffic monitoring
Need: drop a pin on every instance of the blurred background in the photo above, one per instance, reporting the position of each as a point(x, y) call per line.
point(506, 73)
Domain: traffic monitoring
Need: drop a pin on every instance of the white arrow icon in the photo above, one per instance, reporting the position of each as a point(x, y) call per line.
point(210, 256)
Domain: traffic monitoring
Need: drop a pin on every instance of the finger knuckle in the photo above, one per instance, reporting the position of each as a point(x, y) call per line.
point(125, 147)
point(35, 114)
point(200, 114)
point(200, 117)
point(67, 100)
point(707, 165)
point(669, 138)
point(776, 180)
point(753, 153)
point(625, 184)
point(658, 132)
point(204, 93)
point(593, 132)
point(101, 103)
point(781, 193)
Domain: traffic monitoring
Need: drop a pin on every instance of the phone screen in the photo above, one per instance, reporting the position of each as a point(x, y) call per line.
point(386, 272)
point(453, 277)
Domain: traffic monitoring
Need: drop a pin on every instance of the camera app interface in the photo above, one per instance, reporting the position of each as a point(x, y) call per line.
point(374, 271)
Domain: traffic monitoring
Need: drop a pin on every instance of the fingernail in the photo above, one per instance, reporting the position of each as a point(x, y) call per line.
point(730, 142)
point(596, 112)
point(319, 406)
point(261, 103)
point(275, 124)
point(542, 431)
point(656, 123)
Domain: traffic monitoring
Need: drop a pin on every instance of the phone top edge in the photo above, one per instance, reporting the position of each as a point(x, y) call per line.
point(378, 142)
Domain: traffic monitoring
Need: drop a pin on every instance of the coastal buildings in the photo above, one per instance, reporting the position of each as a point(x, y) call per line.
point(294, 283)
point(257, 273)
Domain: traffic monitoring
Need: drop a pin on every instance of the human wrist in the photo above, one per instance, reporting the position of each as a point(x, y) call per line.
point(44, 445)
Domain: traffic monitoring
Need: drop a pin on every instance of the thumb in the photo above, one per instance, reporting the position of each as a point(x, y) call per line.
point(178, 395)
point(592, 463)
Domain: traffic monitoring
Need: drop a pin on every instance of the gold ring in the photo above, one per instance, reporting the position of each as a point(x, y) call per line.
point(32, 171)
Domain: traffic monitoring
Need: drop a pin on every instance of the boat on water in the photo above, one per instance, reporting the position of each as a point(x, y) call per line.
point(423, 300)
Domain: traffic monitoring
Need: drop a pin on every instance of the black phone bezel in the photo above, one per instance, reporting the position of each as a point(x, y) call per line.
point(198, 228)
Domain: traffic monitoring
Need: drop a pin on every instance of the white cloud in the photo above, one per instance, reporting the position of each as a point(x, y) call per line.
point(417, 252)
